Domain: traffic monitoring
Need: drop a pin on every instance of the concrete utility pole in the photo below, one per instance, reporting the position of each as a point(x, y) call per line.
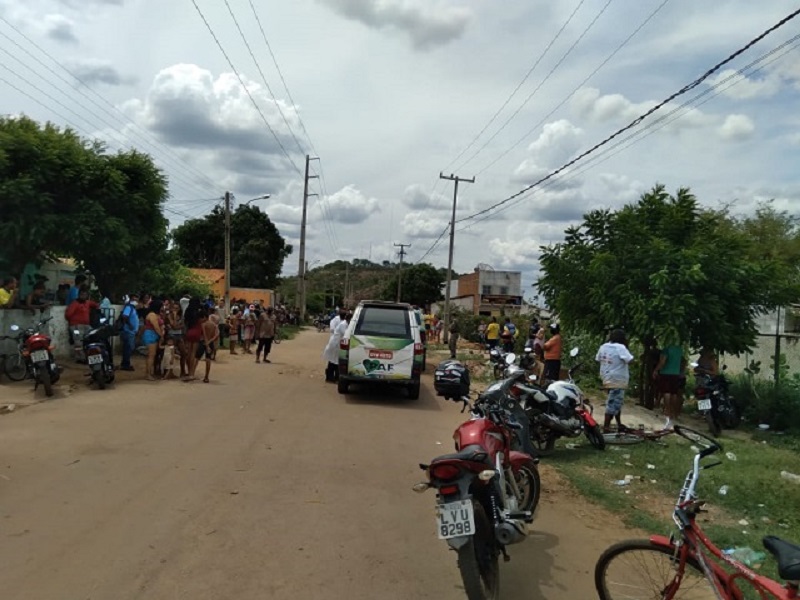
point(301, 267)
point(455, 178)
point(227, 253)
point(400, 273)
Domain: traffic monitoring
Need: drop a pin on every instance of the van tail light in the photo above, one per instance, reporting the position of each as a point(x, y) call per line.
point(419, 349)
point(344, 344)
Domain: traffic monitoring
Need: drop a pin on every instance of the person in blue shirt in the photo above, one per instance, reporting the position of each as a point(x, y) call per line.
point(72, 294)
point(130, 326)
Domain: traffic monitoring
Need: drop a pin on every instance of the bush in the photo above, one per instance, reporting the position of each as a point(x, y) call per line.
point(761, 401)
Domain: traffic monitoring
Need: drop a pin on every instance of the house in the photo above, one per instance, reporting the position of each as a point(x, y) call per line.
point(216, 279)
point(488, 292)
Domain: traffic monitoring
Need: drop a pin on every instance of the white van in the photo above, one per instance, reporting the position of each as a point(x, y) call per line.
point(382, 344)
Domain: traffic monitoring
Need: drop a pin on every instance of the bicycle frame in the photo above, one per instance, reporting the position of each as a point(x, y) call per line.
point(695, 545)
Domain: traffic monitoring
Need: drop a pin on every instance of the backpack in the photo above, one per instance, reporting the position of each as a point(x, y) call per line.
point(119, 324)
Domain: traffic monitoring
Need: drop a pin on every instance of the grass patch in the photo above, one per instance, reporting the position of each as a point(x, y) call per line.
point(289, 332)
point(756, 491)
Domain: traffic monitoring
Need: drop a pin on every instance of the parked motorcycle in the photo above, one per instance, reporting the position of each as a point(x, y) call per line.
point(561, 410)
point(497, 358)
point(99, 353)
point(36, 350)
point(486, 492)
point(714, 401)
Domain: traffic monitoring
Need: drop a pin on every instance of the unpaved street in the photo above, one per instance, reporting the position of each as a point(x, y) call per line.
point(265, 483)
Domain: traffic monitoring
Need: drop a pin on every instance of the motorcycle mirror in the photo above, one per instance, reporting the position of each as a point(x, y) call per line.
point(574, 352)
point(510, 358)
point(694, 365)
point(76, 331)
point(528, 349)
point(103, 320)
point(532, 378)
point(15, 328)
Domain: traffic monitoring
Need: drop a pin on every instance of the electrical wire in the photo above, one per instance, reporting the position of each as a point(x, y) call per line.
point(244, 87)
point(688, 87)
point(435, 243)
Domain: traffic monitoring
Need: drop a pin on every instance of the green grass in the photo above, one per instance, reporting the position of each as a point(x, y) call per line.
point(288, 332)
point(756, 490)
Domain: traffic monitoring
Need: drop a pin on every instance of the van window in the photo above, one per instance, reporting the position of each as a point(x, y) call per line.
point(383, 322)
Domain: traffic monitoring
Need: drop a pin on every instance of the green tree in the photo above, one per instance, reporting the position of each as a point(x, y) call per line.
point(667, 267)
point(64, 196)
point(257, 248)
point(421, 285)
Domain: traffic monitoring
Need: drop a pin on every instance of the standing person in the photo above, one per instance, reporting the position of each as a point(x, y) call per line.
point(334, 321)
point(453, 343)
point(538, 350)
point(249, 330)
point(213, 318)
point(207, 345)
point(614, 358)
point(194, 333)
point(438, 325)
point(175, 331)
point(331, 352)
point(668, 375)
point(509, 335)
point(152, 336)
point(492, 333)
point(8, 292)
point(75, 289)
point(35, 299)
point(233, 329)
point(184, 302)
point(482, 332)
point(130, 327)
point(79, 317)
point(266, 334)
point(552, 354)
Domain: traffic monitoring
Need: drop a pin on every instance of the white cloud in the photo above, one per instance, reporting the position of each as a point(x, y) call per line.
point(92, 71)
point(512, 253)
point(741, 87)
point(429, 23)
point(419, 198)
point(60, 28)
point(622, 188)
point(350, 205)
point(737, 128)
point(558, 142)
point(421, 225)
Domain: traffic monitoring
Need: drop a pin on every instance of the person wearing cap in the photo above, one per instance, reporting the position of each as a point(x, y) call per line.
point(130, 327)
point(552, 354)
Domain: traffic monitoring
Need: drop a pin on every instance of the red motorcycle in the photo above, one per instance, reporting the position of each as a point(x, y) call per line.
point(34, 358)
point(487, 491)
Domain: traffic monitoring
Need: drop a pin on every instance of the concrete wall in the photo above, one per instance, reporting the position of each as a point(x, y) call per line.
point(57, 329)
point(497, 279)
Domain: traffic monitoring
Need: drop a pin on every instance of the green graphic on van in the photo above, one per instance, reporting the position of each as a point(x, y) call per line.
point(372, 365)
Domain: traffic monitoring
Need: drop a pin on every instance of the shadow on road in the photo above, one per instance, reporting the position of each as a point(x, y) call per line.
point(394, 396)
point(530, 568)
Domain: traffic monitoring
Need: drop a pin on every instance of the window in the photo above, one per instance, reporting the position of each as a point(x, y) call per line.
point(384, 322)
point(486, 290)
point(503, 290)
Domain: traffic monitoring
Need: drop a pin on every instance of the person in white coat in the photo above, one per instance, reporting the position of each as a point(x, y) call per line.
point(331, 352)
point(335, 322)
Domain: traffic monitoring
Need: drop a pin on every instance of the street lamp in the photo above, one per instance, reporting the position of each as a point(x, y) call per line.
point(228, 197)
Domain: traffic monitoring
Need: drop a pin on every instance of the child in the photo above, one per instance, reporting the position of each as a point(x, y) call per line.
point(614, 357)
point(168, 360)
point(249, 331)
point(206, 348)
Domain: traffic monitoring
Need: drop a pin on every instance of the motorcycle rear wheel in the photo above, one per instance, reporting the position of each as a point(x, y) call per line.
point(729, 416)
point(543, 439)
point(99, 378)
point(47, 383)
point(595, 437)
point(713, 425)
point(14, 367)
point(478, 560)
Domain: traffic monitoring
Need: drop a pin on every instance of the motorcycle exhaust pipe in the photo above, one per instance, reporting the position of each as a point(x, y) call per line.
point(510, 532)
point(555, 424)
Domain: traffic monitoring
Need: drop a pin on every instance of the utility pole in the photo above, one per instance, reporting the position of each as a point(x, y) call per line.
point(400, 273)
point(346, 283)
point(227, 253)
point(301, 267)
point(455, 178)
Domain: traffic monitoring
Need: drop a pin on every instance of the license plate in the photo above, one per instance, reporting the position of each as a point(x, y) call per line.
point(95, 359)
point(455, 519)
point(704, 405)
point(40, 356)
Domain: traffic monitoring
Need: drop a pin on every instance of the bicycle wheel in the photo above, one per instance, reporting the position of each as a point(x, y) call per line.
point(15, 367)
point(622, 439)
point(642, 570)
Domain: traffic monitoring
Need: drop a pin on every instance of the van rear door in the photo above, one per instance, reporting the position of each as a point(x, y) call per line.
point(382, 344)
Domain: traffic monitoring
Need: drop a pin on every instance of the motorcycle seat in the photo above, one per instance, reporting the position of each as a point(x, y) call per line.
point(472, 453)
point(787, 555)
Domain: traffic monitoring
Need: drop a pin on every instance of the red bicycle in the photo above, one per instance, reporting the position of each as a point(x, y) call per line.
point(687, 565)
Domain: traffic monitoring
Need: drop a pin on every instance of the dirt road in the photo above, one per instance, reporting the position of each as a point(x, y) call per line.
point(265, 483)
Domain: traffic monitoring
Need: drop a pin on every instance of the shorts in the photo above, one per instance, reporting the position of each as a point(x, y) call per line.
point(203, 351)
point(149, 337)
point(669, 384)
point(614, 402)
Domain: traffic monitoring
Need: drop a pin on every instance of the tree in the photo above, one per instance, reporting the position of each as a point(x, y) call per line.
point(422, 285)
point(64, 196)
point(665, 267)
point(257, 248)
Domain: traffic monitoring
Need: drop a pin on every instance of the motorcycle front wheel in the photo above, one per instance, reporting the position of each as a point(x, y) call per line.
point(530, 487)
point(595, 437)
point(478, 560)
point(14, 367)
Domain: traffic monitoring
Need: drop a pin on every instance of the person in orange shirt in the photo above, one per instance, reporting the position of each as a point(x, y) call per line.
point(552, 354)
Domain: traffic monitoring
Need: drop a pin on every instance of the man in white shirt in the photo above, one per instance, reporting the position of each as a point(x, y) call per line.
point(614, 357)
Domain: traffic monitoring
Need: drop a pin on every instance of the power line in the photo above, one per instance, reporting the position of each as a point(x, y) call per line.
point(263, 77)
point(244, 87)
point(578, 87)
point(435, 243)
point(538, 87)
point(642, 117)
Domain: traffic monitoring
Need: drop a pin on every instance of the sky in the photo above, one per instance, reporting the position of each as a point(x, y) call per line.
point(388, 94)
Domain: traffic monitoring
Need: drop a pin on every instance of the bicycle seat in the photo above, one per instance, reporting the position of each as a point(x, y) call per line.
point(788, 556)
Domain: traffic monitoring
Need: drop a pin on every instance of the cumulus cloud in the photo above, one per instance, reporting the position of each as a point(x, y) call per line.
point(622, 188)
point(94, 71)
point(419, 198)
point(421, 225)
point(737, 128)
point(511, 253)
point(428, 23)
point(60, 28)
point(187, 106)
point(349, 205)
point(558, 142)
point(741, 87)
